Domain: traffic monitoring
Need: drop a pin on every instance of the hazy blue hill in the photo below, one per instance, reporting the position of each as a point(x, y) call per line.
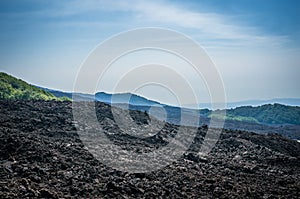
point(124, 98)
point(118, 98)
point(57, 93)
point(77, 96)
point(13, 88)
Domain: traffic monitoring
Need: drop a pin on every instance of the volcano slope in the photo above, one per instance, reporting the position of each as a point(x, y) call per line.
point(41, 156)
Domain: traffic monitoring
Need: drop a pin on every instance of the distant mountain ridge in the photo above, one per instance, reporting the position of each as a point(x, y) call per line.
point(268, 118)
point(229, 105)
point(270, 114)
point(284, 101)
point(124, 98)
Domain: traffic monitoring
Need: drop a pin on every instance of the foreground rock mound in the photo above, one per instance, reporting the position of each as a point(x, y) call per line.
point(41, 156)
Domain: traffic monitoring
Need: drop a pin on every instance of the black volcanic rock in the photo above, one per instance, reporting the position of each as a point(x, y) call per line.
point(41, 156)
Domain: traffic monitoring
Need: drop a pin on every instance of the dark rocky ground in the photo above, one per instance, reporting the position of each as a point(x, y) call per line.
point(41, 155)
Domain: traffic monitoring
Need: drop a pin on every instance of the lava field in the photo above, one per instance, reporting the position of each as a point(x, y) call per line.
point(42, 156)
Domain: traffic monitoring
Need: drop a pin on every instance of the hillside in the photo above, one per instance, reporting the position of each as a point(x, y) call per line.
point(13, 88)
point(265, 114)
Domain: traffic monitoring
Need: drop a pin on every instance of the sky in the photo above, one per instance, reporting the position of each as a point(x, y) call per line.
point(254, 44)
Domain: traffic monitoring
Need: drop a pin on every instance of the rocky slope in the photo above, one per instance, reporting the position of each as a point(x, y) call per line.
point(41, 155)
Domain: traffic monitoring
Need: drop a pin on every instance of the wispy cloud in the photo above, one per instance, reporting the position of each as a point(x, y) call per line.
point(212, 27)
point(208, 25)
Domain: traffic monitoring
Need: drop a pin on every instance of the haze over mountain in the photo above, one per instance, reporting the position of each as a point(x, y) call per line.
point(140, 100)
point(256, 102)
point(264, 112)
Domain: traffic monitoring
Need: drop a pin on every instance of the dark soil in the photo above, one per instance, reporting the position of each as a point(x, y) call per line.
point(41, 156)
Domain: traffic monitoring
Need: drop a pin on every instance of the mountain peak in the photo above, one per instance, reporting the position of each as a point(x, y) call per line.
point(124, 98)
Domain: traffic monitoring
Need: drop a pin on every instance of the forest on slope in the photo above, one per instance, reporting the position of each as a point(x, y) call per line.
point(265, 114)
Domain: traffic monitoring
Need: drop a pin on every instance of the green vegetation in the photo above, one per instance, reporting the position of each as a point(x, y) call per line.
point(13, 88)
point(234, 117)
point(267, 114)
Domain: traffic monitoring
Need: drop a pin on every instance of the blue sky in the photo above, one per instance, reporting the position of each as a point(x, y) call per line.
point(255, 44)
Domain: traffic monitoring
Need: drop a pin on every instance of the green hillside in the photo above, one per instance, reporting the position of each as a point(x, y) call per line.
point(13, 88)
point(268, 114)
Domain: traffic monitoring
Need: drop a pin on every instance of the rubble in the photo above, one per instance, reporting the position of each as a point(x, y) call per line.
point(41, 156)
